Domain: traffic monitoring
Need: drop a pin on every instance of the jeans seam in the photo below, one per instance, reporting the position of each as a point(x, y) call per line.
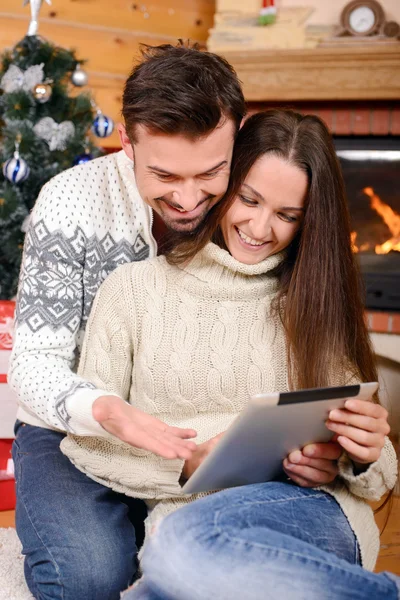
point(59, 582)
point(324, 495)
point(288, 552)
point(228, 537)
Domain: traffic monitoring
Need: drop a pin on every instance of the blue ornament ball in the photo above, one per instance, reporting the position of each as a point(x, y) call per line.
point(102, 126)
point(16, 169)
point(83, 158)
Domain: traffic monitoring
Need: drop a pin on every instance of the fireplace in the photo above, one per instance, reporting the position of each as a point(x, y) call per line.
point(371, 169)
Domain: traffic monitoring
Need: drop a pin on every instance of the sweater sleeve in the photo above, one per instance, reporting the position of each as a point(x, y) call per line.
point(107, 353)
point(377, 480)
point(49, 313)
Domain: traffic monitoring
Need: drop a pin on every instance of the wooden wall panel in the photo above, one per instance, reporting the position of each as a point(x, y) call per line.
point(107, 33)
point(190, 18)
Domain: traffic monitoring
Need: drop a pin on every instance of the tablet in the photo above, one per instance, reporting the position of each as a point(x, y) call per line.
point(268, 429)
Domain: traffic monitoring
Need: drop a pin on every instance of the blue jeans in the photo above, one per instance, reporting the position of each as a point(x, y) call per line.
point(271, 541)
point(78, 536)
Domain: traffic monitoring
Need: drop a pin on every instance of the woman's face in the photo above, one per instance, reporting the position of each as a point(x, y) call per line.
point(267, 212)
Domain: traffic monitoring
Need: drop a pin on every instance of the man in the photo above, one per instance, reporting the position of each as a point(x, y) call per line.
point(182, 110)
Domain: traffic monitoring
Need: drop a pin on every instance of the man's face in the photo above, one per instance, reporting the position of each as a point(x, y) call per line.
point(180, 178)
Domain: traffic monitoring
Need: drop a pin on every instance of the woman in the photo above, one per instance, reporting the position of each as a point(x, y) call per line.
point(272, 304)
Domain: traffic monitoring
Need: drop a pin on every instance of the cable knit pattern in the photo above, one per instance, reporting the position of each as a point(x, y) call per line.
point(189, 345)
point(179, 382)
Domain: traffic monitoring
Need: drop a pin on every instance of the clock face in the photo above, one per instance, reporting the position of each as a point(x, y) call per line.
point(362, 19)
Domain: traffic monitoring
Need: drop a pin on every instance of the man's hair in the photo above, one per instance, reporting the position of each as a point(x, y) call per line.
point(181, 90)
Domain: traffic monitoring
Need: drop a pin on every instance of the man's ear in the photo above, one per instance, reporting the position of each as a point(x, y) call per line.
point(125, 142)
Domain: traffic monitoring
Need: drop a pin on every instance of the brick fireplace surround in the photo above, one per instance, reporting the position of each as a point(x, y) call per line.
point(377, 118)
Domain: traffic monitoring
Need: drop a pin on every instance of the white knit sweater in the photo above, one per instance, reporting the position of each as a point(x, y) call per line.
point(190, 345)
point(86, 221)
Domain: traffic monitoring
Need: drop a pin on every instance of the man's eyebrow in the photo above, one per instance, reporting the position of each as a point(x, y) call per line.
point(159, 170)
point(218, 166)
point(164, 172)
point(262, 198)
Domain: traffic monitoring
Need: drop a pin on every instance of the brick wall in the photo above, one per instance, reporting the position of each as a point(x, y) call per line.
point(383, 322)
point(348, 118)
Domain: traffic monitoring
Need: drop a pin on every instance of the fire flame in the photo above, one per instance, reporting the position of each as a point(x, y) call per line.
point(392, 220)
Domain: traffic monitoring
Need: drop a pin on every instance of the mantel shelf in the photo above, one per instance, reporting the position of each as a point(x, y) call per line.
point(337, 72)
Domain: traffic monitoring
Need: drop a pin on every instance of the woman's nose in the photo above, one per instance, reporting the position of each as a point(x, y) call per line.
point(261, 226)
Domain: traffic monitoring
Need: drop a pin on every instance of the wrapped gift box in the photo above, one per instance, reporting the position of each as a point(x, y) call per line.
point(8, 404)
point(7, 483)
point(8, 407)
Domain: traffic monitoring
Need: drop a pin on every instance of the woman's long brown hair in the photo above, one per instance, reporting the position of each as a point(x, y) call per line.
point(320, 298)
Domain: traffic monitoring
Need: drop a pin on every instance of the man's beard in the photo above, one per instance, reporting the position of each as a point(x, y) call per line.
point(182, 225)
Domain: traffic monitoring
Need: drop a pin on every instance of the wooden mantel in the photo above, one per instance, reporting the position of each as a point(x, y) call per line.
point(325, 73)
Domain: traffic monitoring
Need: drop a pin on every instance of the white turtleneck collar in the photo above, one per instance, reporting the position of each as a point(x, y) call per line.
point(215, 270)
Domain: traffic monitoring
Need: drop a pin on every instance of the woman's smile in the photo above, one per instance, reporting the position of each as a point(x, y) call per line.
point(248, 241)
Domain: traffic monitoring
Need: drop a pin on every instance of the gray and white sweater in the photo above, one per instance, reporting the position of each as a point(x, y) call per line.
point(86, 221)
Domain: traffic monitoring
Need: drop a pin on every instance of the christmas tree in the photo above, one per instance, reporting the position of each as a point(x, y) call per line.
point(43, 130)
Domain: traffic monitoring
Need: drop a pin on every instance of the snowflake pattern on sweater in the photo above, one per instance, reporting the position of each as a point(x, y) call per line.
point(51, 296)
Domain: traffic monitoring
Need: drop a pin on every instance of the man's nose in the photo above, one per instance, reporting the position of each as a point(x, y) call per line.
point(188, 197)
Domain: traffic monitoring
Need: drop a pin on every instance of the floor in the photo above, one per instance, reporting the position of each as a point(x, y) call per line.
point(389, 557)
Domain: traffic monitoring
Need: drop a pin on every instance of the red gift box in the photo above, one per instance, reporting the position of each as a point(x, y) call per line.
point(7, 482)
point(7, 308)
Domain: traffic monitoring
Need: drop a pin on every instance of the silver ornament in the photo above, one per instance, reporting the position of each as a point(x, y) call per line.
point(79, 77)
point(102, 125)
point(16, 169)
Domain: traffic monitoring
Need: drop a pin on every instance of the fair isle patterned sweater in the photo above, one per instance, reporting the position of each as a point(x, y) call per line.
point(86, 221)
point(190, 345)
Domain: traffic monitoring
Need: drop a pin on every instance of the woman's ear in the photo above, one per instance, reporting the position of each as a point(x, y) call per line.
point(125, 141)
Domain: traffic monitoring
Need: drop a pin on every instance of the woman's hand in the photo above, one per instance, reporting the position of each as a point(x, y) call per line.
point(141, 430)
point(201, 452)
point(315, 464)
point(360, 428)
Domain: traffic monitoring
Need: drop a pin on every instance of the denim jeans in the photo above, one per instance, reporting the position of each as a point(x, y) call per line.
point(78, 536)
point(272, 541)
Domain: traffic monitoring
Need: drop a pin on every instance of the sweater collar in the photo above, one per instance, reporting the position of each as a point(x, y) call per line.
point(220, 272)
point(125, 166)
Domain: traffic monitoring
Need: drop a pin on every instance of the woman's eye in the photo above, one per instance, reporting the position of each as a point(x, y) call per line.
point(248, 201)
point(287, 218)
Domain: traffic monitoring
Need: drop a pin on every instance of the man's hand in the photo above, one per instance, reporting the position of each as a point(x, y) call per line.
point(315, 464)
point(201, 452)
point(141, 430)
